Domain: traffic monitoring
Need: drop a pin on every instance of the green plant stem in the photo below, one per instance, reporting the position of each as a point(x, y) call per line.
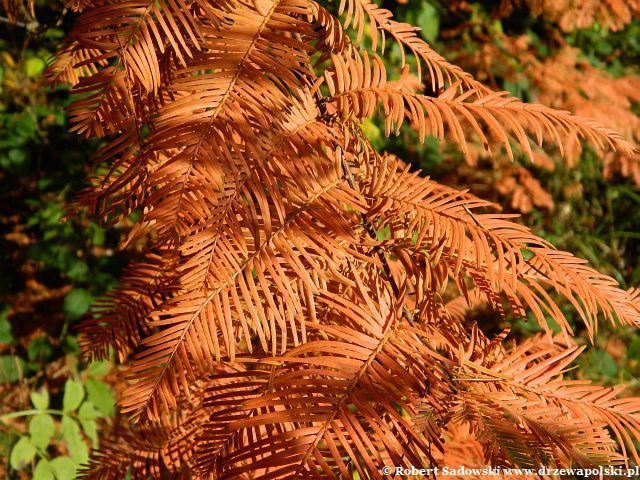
point(25, 413)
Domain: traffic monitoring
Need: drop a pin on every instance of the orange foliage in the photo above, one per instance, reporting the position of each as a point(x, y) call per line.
point(274, 331)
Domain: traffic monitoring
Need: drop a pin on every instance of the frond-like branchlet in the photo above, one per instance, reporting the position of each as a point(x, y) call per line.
point(295, 319)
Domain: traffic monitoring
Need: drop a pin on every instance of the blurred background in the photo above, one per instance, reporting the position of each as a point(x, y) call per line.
point(56, 261)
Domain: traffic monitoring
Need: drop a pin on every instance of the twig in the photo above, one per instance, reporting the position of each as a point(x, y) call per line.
point(377, 249)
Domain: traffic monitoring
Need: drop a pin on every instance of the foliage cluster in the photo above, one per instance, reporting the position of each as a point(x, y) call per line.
point(53, 265)
point(592, 71)
point(154, 90)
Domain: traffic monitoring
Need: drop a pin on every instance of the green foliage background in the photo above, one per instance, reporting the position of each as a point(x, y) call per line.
point(54, 265)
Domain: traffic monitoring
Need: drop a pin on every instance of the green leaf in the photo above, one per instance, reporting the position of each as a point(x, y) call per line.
point(101, 395)
point(54, 33)
point(608, 365)
point(633, 352)
point(34, 66)
point(78, 271)
point(98, 234)
point(72, 436)
point(88, 413)
point(600, 363)
point(40, 399)
point(63, 468)
point(17, 156)
point(43, 471)
point(40, 349)
point(70, 345)
point(41, 429)
point(22, 453)
point(99, 368)
point(429, 22)
point(73, 395)
point(77, 303)
point(6, 442)
point(90, 428)
point(5, 327)
point(11, 368)
point(373, 133)
point(5, 332)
